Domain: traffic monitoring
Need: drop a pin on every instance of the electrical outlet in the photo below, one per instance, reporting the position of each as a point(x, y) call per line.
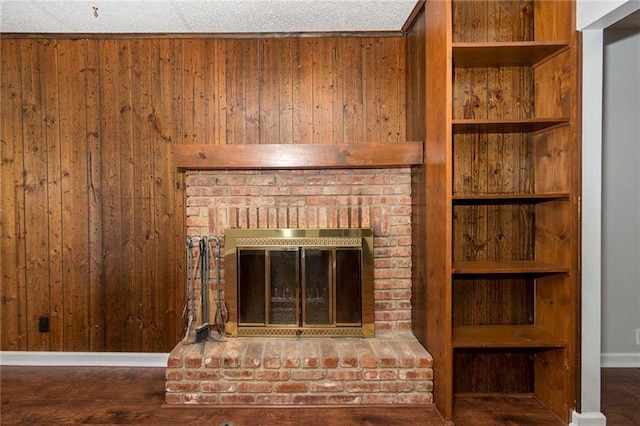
point(638, 336)
point(43, 324)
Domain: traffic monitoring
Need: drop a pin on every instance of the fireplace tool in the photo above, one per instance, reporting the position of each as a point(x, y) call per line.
point(202, 264)
point(189, 307)
point(222, 314)
point(202, 332)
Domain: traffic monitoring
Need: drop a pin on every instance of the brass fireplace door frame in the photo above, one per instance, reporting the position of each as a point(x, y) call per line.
point(281, 238)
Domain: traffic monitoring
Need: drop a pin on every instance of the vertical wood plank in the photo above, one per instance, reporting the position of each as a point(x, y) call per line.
point(234, 92)
point(392, 106)
point(12, 220)
point(75, 225)
point(221, 84)
point(210, 116)
point(252, 101)
point(54, 195)
point(111, 110)
point(127, 181)
point(269, 91)
point(352, 71)
point(323, 80)
point(194, 91)
point(373, 102)
point(285, 87)
point(35, 194)
point(143, 154)
point(94, 196)
point(303, 95)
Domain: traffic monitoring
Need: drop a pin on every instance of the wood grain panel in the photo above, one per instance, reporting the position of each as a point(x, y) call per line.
point(12, 238)
point(93, 208)
point(35, 193)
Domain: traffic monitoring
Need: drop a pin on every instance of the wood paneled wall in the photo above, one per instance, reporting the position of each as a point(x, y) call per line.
point(92, 208)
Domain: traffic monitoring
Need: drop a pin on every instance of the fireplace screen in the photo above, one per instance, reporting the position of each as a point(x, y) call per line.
point(299, 282)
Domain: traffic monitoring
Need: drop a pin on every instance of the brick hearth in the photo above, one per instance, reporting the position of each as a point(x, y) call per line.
point(394, 369)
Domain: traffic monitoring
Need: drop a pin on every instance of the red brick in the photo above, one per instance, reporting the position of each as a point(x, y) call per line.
point(181, 386)
point(402, 386)
point(426, 386)
point(254, 387)
point(347, 353)
point(192, 359)
point(245, 191)
point(289, 387)
point(219, 386)
point(307, 374)
point(345, 399)
point(326, 387)
point(423, 358)
point(380, 374)
point(328, 354)
point(310, 354)
point(272, 353)
point(290, 355)
point(202, 374)
point(272, 399)
point(238, 374)
point(237, 399)
point(233, 352)
point(261, 180)
point(359, 387)
point(214, 354)
point(415, 374)
point(405, 355)
point(173, 374)
point(173, 398)
point(309, 399)
point(384, 351)
point(344, 375)
point(273, 375)
point(253, 354)
point(198, 398)
point(403, 325)
point(383, 326)
point(380, 398)
point(175, 357)
point(367, 357)
point(413, 398)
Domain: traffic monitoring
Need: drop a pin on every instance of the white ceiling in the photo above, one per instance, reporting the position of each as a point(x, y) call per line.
point(202, 16)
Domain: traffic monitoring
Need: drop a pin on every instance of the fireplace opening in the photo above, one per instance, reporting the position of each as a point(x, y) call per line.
point(300, 282)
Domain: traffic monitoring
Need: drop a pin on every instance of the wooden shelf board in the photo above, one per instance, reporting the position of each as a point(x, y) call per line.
point(504, 336)
point(507, 126)
point(505, 54)
point(507, 267)
point(298, 156)
point(508, 198)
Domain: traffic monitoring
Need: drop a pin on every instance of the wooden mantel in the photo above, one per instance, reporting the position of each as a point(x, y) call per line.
point(298, 156)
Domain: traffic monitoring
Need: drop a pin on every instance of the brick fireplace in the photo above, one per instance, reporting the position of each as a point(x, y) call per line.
point(390, 368)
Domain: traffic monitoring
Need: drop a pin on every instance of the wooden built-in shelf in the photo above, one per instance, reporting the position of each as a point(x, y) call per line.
point(504, 54)
point(504, 336)
point(506, 267)
point(526, 125)
point(298, 156)
point(508, 198)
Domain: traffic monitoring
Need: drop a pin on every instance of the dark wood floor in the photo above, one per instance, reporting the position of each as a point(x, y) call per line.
point(64, 395)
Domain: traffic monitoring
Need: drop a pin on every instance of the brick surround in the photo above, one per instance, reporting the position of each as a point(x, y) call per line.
point(392, 368)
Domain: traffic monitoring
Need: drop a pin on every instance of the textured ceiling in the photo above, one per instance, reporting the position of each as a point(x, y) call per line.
point(202, 16)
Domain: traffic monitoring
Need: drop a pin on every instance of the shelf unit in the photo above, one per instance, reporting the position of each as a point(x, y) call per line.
point(501, 204)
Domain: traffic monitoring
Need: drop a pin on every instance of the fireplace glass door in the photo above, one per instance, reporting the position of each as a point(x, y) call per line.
point(300, 287)
point(295, 287)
